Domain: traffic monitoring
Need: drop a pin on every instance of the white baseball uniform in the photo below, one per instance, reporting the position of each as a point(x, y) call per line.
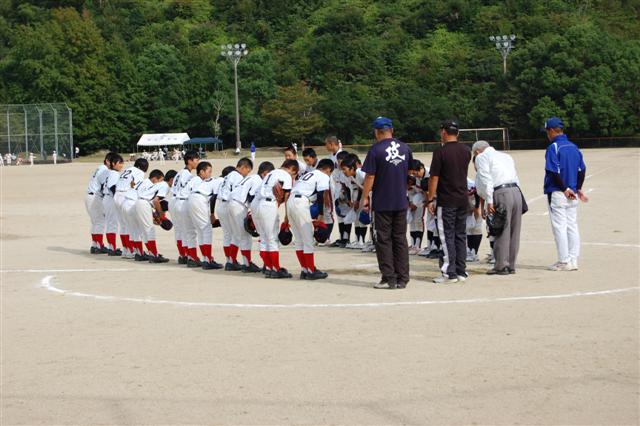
point(93, 200)
point(126, 196)
point(112, 221)
point(147, 191)
point(238, 208)
point(176, 207)
point(266, 214)
point(190, 235)
point(222, 206)
point(200, 209)
point(302, 196)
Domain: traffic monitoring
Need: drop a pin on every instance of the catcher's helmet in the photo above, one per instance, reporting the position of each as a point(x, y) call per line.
point(249, 226)
point(321, 232)
point(365, 218)
point(166, 224)
point(285, 236)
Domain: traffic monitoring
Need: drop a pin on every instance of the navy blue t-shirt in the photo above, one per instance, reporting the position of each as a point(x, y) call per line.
point(389, 161)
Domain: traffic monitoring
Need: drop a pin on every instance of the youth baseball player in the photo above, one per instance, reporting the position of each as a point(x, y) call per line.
point(308, 190)
point(229, 243)
point(150, 193)
point(238, 209)
point(415, 215)
point(197, 214)
point(345, 215)
point(291, 153)
point(351, 169)
point(310, 158)
point(93, 204)
point(180, 194)
point(266, 215)
point(108, 205)
point(125, 197)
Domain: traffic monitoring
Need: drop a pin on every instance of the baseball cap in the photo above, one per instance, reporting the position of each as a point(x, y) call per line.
point(381, 123)
point(449, 124)
point(552, 123)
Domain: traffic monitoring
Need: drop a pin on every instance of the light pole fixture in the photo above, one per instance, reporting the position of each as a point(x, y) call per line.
point(504, 44)
point(235, 52)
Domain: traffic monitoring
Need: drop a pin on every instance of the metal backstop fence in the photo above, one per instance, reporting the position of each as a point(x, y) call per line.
point(40, 129)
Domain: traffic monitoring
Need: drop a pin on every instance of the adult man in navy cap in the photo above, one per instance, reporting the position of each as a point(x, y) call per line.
point(564, 175)
point(387, 168)
point(448, 200)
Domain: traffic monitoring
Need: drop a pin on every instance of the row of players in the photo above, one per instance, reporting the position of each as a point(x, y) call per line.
point(126, 202)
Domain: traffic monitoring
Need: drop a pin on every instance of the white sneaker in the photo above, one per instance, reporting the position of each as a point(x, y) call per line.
point(472, 257)
point(572, 265)
point(424, 252)
point(560, 266)
point(463, 278)
point(414, 250)
point(442, 279)
point(356, 245)
point(369, 247)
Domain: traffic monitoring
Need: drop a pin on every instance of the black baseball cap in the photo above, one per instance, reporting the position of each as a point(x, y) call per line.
point(449, 125)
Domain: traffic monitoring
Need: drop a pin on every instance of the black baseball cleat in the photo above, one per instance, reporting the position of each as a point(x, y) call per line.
point(104, 250)
point(401, 285)
point(158, 259)
point(182, 260)
point(267, 273)
point(338, 244)
point(503, 271)
point(193, 263)
point(384, 284)
point(512, 271)
point(232, 266)
point(116, 252)
point(434, 254)
point(316, 275)
point(141, 257)
point(282, 273)
point(252, 268)
point(303, 275)
point(94, 250)
point(211, 265)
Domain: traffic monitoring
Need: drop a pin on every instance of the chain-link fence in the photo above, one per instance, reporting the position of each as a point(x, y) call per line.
point(41, 129)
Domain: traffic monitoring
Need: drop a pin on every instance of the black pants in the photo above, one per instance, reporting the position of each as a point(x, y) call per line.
point(391, 246)
point(452, 226)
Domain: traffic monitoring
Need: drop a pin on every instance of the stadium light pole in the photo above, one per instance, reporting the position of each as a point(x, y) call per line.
point(504, 44)
point(235, 52)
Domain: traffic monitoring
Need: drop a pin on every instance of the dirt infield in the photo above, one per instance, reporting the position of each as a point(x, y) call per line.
point(89, 339)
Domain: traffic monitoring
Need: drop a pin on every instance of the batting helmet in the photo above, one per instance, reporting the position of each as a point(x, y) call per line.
point(315, 211)
point(321, 232)
point(285, 236)
point(365, 218)
point(249, 226)
point(166, 224)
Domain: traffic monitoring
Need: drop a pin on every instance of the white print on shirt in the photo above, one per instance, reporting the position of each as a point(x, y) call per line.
point(393, 154)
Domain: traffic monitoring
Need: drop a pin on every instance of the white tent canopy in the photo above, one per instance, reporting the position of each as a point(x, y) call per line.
point(162, 139)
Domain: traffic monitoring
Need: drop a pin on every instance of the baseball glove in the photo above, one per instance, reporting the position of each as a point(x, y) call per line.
point(278, 193)
point(166, 224)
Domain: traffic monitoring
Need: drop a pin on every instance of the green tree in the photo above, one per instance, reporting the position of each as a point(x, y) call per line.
point(292, 112)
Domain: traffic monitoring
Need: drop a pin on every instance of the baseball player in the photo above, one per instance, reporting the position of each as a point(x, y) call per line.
point(196, 213)
point(308, 190)
point(474, 223)
point(266, 215)
point(291, 153)
point(342, 196)
point(125, 198)
point(180, 194)
point(421, 173)
point(151, 192)
point(93, 204)
point(415, 214)
point(108, 205)
point(229, 243)
point(238, 208)
point(354, 176)
point(310, 158)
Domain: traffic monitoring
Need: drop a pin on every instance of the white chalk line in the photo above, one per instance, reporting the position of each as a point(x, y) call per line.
point(587, 244)
point(46, 283)
point(86, 270)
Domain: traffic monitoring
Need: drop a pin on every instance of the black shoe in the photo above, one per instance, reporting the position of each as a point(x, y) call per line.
point(235, 266)
point(158, 259)
point(211, 265)
point(317, 275)
point(267, 273)
point(401, 285)
point(182, 260)
point(251, 269)
point(384, 284)
point(512, 271)
point(503, 271)
point(193, 263)
point(282, 273)
point(264, 270)
point(140, 258)
point(434, 254)
point(303, 275)
point(103, 250)
point(339, 244)
point(94, 250)
point(116, 252)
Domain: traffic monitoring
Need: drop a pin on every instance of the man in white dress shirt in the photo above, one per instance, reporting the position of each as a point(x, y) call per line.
point(497, 184)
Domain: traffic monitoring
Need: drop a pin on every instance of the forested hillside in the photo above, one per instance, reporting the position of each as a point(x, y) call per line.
point(316, 67)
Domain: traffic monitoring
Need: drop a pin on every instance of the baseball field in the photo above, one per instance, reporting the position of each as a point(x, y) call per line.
point(91, 339)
